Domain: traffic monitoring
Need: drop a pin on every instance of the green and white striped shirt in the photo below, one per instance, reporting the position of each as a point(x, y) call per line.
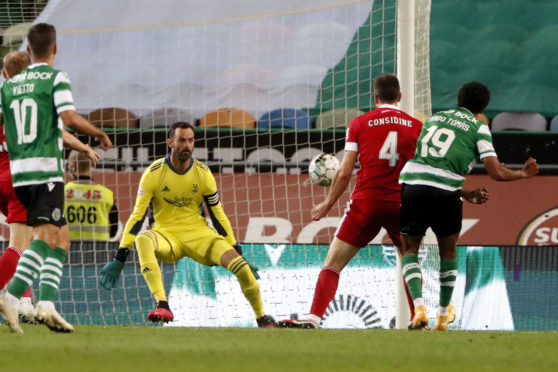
point(31, 103)
point(447, 148)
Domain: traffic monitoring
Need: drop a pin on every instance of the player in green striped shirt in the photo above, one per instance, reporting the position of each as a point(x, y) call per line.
point(448, 146)
point(35, 104)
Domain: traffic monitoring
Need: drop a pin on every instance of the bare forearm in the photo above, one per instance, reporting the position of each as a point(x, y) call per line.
point(338, 187)
point(499, 172)
point(507, 174)
point(72, 142)
point(77, 122)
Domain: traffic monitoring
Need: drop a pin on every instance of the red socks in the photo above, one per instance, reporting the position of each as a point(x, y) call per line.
point(327, 286)
point(409, 299)
point(8, 264)
point(27, 293)
point(325, 290)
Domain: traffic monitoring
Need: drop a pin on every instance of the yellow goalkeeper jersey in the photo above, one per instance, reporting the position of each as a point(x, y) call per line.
point(177, 200)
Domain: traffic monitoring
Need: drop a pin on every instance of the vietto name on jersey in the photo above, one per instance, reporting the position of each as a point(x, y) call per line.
point(31, 103)
point(448, 146)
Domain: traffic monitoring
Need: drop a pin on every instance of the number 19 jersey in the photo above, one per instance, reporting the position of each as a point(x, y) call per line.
point(385, 139)
point(31, 103)
point(448, 146)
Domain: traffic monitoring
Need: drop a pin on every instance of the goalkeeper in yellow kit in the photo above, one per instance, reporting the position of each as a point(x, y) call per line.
point(176, 186)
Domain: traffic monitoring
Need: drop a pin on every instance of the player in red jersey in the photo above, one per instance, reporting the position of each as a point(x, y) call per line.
point(383, 140)
point(16, 216)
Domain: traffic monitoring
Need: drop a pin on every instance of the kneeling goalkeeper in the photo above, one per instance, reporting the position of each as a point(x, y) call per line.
point(176, 186)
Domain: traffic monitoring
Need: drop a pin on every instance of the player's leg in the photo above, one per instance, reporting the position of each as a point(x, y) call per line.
point(51, 273)
point(447, 227)
point(448, 276)
point(44, 204)
point(20, 233)
point(416, 207)
point(150, 246)
point(20, 236)
point(221, 253)
point(338, 255)
point(357, 228)
point(413, 280)
point(28, 269)
point(390, 213)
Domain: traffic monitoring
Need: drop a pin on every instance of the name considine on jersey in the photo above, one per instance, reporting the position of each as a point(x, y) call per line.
point(390, 120)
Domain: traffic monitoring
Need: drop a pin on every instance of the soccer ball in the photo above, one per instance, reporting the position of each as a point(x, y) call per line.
point(322, 169)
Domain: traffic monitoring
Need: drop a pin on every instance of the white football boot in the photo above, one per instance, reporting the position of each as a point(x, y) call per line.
point(8, 310)
point(26, 310)
point(47, 315)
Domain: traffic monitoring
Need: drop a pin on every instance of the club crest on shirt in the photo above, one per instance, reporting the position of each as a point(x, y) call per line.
point(195, 188)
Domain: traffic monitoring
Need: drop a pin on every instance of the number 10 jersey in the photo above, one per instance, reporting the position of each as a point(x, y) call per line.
point(31, 103)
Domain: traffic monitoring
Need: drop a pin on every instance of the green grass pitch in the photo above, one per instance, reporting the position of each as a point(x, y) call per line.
point(118, 348)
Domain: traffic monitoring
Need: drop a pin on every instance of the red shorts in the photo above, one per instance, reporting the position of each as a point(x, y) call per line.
point(10, 205)
point(364, 218)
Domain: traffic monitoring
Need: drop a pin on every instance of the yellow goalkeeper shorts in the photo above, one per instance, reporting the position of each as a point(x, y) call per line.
point(203, 245)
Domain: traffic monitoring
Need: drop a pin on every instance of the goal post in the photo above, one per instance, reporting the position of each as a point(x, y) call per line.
point(413, 71)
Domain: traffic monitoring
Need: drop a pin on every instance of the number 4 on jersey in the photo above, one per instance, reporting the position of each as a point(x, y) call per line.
point(389, 149)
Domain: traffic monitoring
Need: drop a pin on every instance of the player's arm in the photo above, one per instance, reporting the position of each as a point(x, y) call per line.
point(72, 142)
point(496, 170)
point(77, 122)
point(220, 220)
point(64, 103)
point(343, 175)
point(339, 184)
point(111, 271)
point(135, 222)
point(499, 172)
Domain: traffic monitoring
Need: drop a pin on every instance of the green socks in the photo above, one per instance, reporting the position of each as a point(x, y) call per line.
point(51, 272)
point(413, 277)
point(28, 267)
point(448, 275)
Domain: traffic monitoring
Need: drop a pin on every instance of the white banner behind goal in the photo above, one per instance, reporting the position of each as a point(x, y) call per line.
point(200, 56)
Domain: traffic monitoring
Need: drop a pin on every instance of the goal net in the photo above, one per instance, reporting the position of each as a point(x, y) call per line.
point(269, 85)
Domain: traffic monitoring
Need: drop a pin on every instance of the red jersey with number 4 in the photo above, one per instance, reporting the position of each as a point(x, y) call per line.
point(4, 157)
point(385, 138)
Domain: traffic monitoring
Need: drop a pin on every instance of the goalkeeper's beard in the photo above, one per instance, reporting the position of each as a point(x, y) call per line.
point(181, 156)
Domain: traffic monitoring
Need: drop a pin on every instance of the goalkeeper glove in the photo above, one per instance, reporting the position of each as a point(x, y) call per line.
point(254, 268)
point(111, 271)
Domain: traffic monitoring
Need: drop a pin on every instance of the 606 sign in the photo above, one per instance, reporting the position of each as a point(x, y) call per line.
point(81, 214)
